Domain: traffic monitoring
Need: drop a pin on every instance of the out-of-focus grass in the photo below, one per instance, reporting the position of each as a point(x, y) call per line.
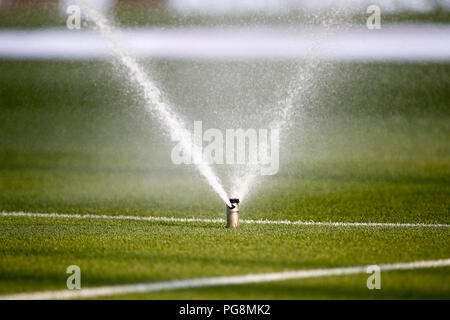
point(136, 15)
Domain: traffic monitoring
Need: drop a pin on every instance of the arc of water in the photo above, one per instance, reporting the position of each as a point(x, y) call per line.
point(282, 114)
point(305, 82)
point(154, 101)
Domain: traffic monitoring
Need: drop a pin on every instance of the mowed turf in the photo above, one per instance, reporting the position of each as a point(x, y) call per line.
point(76, 140)
point(36, 252)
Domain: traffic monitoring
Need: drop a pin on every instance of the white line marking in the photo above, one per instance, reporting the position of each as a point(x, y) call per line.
point(419, 42)
point(217, 281)
point(172, 219)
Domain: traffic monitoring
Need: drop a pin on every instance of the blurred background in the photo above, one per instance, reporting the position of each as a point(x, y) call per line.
point(40, 13)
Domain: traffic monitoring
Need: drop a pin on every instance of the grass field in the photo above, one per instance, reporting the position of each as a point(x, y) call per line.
point(135, 15)
point(75, 139)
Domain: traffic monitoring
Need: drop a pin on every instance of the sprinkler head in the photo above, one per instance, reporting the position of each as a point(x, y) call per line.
point(233, 214)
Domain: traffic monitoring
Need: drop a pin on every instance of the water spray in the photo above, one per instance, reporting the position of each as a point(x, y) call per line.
point(155, 103)
point(233, 213)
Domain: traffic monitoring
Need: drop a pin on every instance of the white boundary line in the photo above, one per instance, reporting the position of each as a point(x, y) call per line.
point(217, 281)
point(172, 219)
point(419, 42)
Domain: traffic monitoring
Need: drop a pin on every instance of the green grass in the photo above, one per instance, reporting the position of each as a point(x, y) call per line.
point(36, 252)
point(135, 15)
point(75, 139)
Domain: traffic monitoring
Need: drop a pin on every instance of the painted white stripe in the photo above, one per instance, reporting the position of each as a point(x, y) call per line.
point(217, 281)
point(172, 219)
point(397, 42)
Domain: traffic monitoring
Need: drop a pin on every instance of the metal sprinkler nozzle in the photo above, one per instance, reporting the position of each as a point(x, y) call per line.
point(233, 214)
